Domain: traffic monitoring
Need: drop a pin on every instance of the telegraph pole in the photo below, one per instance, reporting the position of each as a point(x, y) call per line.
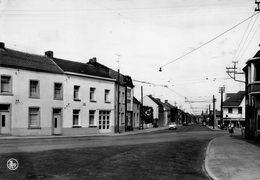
point(142, 107)
point(221, 91)
point(232, 71)
point(118, 94)
point(214, 112)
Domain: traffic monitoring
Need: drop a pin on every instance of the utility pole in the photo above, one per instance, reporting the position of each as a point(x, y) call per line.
point(233, 71)
point(142, 107)
point(257, 2)
point(118, 94)
point(221, 91)
point(214, 112)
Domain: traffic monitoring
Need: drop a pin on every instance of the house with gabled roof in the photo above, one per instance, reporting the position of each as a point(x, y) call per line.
point(234, 109)
point(89, 98)
point(124, 93)
point(31, 93)
point(159, 110)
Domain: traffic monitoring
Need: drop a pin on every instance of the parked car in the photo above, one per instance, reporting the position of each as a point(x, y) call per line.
point(172, 125)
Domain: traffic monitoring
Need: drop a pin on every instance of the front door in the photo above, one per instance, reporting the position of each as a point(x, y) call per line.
point(104, 121)
point(57, 121)
point(5, 123)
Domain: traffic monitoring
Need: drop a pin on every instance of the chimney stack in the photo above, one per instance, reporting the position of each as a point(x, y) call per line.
point(49, 54)
point(2, 45)
point(92, 60)
point(165, 101)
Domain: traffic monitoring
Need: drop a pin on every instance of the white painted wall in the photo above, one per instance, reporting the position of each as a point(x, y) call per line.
point(84, 105)
point(147, 101)
point(20, 101)
point(235, 113)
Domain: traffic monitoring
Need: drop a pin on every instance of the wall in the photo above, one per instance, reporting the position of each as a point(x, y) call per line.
point(84, 105)
point(20, 101)
point(148, 102)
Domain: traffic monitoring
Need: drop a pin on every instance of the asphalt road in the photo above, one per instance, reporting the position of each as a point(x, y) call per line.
point(164, 154)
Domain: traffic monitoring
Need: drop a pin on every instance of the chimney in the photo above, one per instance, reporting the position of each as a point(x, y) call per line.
point(92, 60)
point(49, 54)
point(165, 101)
point(2, 45)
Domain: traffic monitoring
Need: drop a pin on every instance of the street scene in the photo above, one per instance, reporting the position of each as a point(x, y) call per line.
point(126, 89)
point(161, 154)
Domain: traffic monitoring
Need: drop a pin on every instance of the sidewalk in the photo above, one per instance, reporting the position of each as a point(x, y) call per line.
point(233, 158)
point(136, 131)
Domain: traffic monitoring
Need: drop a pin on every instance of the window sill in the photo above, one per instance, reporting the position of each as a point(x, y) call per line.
point(34, 97)
point(76, 99)
point(92, 126)
point(94, 101)
point(6, 94)
point(34, 128)
point(58, 98)
point(76, 126)
point(108, 102)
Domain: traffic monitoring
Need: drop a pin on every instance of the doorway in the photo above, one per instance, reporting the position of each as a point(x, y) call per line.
point(5, 120)
point(57, 121)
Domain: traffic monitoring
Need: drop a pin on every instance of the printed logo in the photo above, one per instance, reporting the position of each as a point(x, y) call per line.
point(12, 164)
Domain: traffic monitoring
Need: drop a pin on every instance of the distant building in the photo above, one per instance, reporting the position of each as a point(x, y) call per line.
point(159, 111)
point(136, 113)
point(252, 97)
point(234, 109)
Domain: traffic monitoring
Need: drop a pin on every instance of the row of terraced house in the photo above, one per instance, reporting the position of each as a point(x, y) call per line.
point(46, 95)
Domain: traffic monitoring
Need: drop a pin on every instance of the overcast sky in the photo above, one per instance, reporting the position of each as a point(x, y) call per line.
point(147, 34)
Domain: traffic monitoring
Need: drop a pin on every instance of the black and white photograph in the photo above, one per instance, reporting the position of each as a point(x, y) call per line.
point(130, 89)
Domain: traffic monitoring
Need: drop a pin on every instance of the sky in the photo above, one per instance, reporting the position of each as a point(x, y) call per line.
point(139, 37)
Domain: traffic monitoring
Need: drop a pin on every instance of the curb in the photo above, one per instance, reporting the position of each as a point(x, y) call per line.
point(206, 162)
point(78, 136)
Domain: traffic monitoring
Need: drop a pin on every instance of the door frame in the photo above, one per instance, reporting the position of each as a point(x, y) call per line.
point(10, 117)
point(52, 120)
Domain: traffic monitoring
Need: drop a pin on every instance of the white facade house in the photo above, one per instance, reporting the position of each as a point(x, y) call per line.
point(88, 99)
point(123, 97)
point(28, 98)
point(159, 111)
point(234, 109)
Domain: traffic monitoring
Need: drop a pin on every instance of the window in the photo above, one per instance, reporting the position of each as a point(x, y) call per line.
point(75, 117)
point(58, 91)
point(107, 95)
point(104, 120)
point(128, 93)
point(91, 117)
point(6, 87)
point(34, 89)
point(230, 110)
point(123, 98)
point(122, 118)
point(76, 92)
point(239, 110)
point(92, 94)
point(34, 117)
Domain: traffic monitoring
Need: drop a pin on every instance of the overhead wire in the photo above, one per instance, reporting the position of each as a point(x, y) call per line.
point(245, 42)
point(250, 41)
point(209, 41)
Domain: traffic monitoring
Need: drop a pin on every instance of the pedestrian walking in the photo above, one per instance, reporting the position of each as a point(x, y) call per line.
point(231, 129)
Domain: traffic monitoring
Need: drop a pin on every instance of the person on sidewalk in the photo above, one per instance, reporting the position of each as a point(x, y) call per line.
point(231, 128)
